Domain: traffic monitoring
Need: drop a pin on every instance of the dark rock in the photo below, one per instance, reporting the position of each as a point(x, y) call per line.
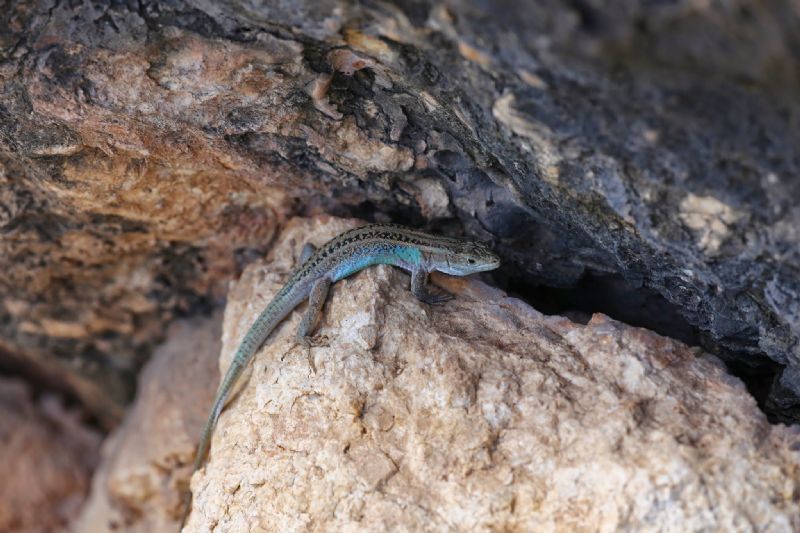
point(148, 145)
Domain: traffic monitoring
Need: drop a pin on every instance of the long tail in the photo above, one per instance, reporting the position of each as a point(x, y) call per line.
point(240, 361)
point(250, 344)
point(270, 317)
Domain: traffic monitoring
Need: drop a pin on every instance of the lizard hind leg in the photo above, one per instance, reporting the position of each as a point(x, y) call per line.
point(307, 251)
point(316, 300)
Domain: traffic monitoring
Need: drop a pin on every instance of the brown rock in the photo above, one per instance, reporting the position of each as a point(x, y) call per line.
point(482, 414)
point(46, 458)
point(147, 148)
point(142, 477)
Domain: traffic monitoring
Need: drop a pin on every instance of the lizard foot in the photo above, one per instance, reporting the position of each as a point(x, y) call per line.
point(309, 342)
point(436, 298)
point(313, 342)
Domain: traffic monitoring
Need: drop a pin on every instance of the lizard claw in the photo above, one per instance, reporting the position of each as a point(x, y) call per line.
point(312, 342)
point(309, 342)
point(311, 362)
point(437, 298)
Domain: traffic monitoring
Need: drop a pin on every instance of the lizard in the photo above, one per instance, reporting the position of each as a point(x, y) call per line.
point(418, 252)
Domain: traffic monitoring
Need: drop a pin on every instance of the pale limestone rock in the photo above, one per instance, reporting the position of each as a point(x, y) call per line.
point(481, 414)
point(138, 487)
point(47, 454)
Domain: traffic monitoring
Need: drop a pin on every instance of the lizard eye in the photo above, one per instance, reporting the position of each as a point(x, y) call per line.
point(471, 261)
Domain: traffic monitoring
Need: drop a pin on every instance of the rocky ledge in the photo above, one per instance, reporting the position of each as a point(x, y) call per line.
point(477, 414)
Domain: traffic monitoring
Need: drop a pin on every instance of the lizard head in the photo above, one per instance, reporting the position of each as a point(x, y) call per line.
point(466, 258)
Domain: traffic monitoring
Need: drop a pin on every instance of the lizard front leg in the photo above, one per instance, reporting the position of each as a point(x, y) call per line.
point(419, 281)
point(316, 300)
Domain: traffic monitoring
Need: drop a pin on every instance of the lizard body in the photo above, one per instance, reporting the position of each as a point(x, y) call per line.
point(418, 252)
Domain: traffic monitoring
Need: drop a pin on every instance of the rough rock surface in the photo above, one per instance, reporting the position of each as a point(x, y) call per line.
point(46, 459)
point(140, 484)
point(482, 414)
point(146, 147)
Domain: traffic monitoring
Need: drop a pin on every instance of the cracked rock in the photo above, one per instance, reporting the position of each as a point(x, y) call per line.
point(481, 414)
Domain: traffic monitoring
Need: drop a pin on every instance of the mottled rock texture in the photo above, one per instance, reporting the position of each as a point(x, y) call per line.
point(47, 453)
point(142, 478)
point(646, 149)
point(482, 415)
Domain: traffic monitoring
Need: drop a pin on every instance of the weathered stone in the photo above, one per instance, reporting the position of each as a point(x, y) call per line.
point(481, 414)
point(47, 454)
point(147, 147)
point(141, 481)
